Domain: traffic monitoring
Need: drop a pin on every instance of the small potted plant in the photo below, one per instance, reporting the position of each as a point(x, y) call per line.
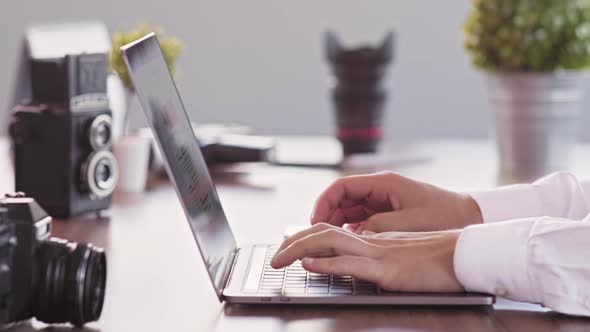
point(534, 54)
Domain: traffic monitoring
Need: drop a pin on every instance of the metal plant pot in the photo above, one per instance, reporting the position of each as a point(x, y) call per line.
point(536, 116)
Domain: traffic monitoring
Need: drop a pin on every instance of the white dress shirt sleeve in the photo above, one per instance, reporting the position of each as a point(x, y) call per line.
point(533, 246)
point(558, 195)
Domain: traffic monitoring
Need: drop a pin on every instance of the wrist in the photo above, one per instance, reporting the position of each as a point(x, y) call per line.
point(448, 249)
point(472, 212)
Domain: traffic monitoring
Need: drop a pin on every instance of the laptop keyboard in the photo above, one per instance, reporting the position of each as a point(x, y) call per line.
point(294, 279)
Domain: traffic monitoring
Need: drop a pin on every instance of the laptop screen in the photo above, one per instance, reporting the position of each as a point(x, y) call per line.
point(185, 165)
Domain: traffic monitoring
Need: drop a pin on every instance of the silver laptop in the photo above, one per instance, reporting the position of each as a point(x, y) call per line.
point(240, 274)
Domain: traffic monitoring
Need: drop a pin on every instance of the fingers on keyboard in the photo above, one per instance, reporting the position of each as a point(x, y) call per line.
point(294, 279)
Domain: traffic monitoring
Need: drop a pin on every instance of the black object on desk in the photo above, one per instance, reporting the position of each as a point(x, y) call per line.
point(54, 280)
point(359, 94)
point(62, 130)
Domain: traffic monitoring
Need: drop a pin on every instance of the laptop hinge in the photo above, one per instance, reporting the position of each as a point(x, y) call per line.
point(229, 270)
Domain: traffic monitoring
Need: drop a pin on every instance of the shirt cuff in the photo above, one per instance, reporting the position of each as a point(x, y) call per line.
point(507, 203)
point(492, 258)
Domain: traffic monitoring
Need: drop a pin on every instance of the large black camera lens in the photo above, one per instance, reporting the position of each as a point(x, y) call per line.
point(72, 280)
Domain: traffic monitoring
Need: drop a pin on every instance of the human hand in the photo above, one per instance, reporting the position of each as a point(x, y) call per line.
point(419, 264)
point(387, 201)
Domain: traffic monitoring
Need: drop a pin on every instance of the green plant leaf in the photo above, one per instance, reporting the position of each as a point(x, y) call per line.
point(528, 35)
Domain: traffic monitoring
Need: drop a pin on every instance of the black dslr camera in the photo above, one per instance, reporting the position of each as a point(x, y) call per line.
point(63, 139)
point(51, 279)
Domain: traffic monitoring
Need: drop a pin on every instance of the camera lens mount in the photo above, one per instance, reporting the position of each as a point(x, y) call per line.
point(100, 173)
point(72, 282)
point(100, 133)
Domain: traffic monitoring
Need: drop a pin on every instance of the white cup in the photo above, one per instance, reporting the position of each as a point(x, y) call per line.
point(132, 153)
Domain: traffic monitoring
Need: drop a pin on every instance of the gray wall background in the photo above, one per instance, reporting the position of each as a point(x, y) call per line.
point(260, 62)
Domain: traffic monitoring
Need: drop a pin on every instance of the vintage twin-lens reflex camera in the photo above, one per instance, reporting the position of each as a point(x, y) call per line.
point(62, 138)
point(51, 279)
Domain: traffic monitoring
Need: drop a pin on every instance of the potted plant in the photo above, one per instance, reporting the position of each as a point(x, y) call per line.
point(534, 54)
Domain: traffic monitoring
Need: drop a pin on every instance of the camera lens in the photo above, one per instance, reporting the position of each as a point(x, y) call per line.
point(103, 134)
point(72, 280)
point(100, 134)
point(103, 173)
point(99, 173)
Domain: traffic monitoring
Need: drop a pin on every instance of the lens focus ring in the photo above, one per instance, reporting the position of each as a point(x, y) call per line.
point(72, 282)
point(99, 173)
point(100, 133)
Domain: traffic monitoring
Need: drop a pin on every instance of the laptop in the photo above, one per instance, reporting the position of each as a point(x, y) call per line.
point(240, 274)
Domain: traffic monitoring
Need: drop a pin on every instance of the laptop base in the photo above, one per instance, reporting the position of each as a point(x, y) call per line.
point(243, 288)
